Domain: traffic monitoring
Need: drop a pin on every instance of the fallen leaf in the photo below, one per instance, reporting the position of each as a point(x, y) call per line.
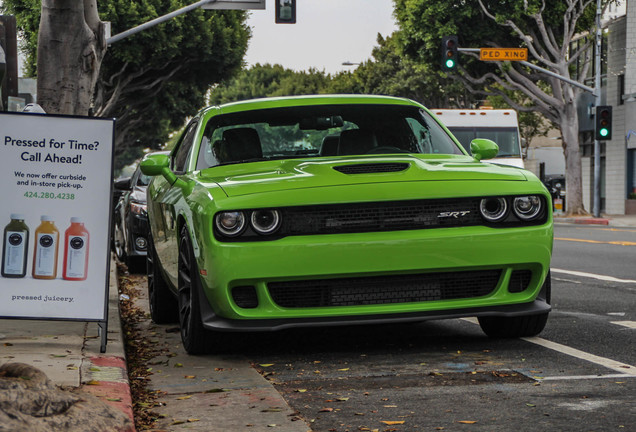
point(190, 376)
point(467, 421)
point(392, 423)
point(178, 365)
point(390, 406)
point(113, 399)
point(266, 364)
point(326, 410)
point(192, 420)
point(184, 397)
point(342, 399)
point(530, 405)
point(301, 390)
point(92, 382)
point(343, 370)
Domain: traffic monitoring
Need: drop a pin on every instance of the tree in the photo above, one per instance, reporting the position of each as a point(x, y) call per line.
point(268, 80)
point(547, 29)
point(155, 79)
point(71, 46)
point(391, 72)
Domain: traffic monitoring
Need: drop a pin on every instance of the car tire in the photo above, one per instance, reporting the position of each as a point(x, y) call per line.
point(119, 245)
point(519, 326)
point(193, 335)
point(160, 298)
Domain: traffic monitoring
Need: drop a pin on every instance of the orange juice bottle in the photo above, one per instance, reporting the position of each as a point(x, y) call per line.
point(75, 251)
point(45, 255)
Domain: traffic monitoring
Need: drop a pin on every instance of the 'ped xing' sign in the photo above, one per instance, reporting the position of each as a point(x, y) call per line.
point(56, 176)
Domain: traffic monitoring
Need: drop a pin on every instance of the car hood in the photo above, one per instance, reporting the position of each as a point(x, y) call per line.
point(278, 175)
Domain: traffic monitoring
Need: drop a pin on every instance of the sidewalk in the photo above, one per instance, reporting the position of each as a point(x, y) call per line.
point(68, 352)
point(610, 220)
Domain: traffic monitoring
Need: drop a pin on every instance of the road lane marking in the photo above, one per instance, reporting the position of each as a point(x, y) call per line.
point(566, 280)
point(624, 369)
point(619, 243)
point(583, 377)
point(594, 276)
point(628, 324)
point(614, 365)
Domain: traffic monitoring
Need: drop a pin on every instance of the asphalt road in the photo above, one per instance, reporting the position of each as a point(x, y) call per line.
point(579, 375)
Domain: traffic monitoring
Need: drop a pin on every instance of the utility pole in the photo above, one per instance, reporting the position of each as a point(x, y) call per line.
point(596, 208)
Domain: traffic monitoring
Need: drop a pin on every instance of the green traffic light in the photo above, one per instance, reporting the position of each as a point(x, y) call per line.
point(450, 63)
point(603, 132)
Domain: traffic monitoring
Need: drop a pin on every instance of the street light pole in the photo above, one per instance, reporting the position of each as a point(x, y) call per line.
point(156, 21)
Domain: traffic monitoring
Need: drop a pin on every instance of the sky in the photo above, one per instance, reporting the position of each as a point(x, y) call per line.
point(326, 34)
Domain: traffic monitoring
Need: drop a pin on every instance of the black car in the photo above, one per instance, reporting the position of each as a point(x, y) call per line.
point(130, 220)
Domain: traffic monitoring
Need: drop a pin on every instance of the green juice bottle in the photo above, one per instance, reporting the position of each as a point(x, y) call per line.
point(15, 247)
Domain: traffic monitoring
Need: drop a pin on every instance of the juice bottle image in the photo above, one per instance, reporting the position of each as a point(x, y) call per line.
point(15, 247)
point(46, 244)
point(75, 251)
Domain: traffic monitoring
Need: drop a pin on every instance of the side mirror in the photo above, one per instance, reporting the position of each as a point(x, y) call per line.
point(483, 148)
point(154, 165)
point(122, 184)
point(159, 164)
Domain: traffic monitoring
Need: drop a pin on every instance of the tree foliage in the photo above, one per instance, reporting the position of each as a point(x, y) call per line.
point(268, 80)
point(155, 79)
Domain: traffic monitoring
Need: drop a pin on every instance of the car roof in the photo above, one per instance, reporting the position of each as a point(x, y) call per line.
point(307, 100)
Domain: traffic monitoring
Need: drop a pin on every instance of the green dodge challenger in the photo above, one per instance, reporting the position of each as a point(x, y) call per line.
point(340, 210)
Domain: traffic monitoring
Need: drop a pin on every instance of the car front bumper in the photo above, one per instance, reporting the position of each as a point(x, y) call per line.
point(328, 262)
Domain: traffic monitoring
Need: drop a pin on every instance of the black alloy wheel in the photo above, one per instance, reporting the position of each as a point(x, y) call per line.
point(193, 334)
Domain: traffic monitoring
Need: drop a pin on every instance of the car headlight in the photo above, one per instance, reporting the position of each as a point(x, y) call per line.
point(230, 223)
point(138, 208)
point(493, 209)
point(265, 221)
point(527, 207)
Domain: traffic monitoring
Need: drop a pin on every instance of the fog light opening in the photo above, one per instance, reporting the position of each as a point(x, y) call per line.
point(141, 243)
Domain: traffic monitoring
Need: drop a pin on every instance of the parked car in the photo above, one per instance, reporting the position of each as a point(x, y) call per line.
point(130, 220)
point(335, 210)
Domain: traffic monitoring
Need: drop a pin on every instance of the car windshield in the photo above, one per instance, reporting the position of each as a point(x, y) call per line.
point(323, 130)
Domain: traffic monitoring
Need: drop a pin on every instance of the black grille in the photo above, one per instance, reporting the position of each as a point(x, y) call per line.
point(383, 216)
point(245, 297)
point(519, 280)
point(372, 168)
point(384, 289)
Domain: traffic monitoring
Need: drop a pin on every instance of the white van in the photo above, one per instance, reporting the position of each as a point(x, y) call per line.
point(498, 125)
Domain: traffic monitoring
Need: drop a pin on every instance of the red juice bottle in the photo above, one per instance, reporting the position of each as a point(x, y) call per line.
point(75, 251)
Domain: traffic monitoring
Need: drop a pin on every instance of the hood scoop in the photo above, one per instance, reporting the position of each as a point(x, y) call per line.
point(372, 168)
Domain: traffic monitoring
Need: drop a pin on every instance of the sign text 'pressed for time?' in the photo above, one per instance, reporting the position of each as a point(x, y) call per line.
point(503, 54)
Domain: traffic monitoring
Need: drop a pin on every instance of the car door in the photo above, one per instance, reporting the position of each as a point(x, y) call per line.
point(167, 199)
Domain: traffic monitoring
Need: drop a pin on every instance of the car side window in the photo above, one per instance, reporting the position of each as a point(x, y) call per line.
point(180, 157)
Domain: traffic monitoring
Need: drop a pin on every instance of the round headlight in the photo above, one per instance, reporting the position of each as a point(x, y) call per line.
point(265, 221)
point(493, 209)
point(527, 207)
point(230, 223)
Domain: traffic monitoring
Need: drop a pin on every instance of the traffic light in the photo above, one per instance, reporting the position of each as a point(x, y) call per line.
point(449, 53)
point(285, 11)
point(603, 120)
